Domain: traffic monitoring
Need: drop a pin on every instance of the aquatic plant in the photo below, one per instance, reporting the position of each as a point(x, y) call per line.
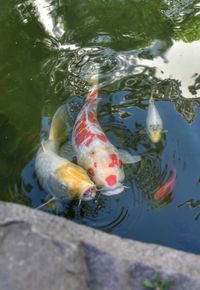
point(157, 283)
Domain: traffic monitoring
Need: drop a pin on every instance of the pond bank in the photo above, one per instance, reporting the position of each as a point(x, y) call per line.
point(44, 252)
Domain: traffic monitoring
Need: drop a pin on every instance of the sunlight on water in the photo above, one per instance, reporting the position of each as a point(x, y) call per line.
point(52, 25)
point(179, 63)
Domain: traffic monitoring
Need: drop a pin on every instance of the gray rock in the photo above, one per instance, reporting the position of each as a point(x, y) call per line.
point(39, 251)
point(35, 262)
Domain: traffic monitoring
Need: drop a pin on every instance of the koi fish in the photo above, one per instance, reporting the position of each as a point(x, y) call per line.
point(167, 187)
point(102, 160)
point(57, 175)
point(154, 122)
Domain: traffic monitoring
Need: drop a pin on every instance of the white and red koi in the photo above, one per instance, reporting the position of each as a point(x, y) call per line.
point(164, 190)
point(94, 151)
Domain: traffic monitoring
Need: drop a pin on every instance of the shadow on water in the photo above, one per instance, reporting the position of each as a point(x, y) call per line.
point(48, 48)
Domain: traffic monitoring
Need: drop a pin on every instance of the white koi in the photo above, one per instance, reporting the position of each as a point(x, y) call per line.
point(154, 122)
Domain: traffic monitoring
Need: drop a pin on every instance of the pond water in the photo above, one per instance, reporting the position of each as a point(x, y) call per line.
point(142, 47)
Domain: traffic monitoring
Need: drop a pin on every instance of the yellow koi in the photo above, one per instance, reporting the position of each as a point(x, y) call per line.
point(57, 175)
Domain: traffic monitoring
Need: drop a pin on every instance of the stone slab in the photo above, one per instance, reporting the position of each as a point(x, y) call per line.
point(39, 251)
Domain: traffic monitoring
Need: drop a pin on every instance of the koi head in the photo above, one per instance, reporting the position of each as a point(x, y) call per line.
point(155, 132)
point(106, 170)
point(70, 180)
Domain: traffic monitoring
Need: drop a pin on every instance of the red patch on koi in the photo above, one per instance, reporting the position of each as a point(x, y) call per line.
point(93, 93)
point(89, 141)
point(102, 138)
point(80, 137)
point(111, 180)
point(82, 118)
point(92, 117)
point(114, 161)
point(95, 164)
point(91, 171)
point(166, 188)
point(81, 131)
point(80, 127)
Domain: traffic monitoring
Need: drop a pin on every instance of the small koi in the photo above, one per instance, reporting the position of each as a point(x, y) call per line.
point(166, 188)
point(154, 122)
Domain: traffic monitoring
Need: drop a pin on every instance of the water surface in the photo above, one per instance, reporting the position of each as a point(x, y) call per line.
point(142, 47)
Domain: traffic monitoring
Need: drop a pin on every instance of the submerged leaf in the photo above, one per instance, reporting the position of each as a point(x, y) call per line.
point(149, 284)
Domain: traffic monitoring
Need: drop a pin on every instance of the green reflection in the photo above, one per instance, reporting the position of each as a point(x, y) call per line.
point(117, 24)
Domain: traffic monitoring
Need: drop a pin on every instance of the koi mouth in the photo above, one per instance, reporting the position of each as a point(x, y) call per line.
point(112, 190)
point(155, 135)
point(89, 194)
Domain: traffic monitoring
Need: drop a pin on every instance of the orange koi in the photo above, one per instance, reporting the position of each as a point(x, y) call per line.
point(166, 188)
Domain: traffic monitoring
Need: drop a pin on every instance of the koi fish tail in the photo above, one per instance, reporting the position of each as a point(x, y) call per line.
point(151, 99)
point(92, 95)
point(93, 80)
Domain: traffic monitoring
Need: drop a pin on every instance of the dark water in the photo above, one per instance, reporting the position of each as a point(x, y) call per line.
point(141, 46)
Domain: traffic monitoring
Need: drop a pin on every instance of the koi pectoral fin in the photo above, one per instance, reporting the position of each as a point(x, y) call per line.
point(128, 158)
point(67, 151)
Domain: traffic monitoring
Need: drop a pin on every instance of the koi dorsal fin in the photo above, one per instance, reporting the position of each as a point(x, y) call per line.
point(60, 125)
point(67, 151)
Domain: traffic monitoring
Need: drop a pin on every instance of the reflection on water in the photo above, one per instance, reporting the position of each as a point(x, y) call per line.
point(46, 14)
point(48, 47)
point(179, 63)
point(48, 17)
point(192, 204)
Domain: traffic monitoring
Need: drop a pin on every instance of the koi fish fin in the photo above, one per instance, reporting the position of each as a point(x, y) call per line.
point(67, 151)
point(60, 125)
point(48, 146)
point(151, 100)
point(128, 158)
point(93, 75)
point(43, 144)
